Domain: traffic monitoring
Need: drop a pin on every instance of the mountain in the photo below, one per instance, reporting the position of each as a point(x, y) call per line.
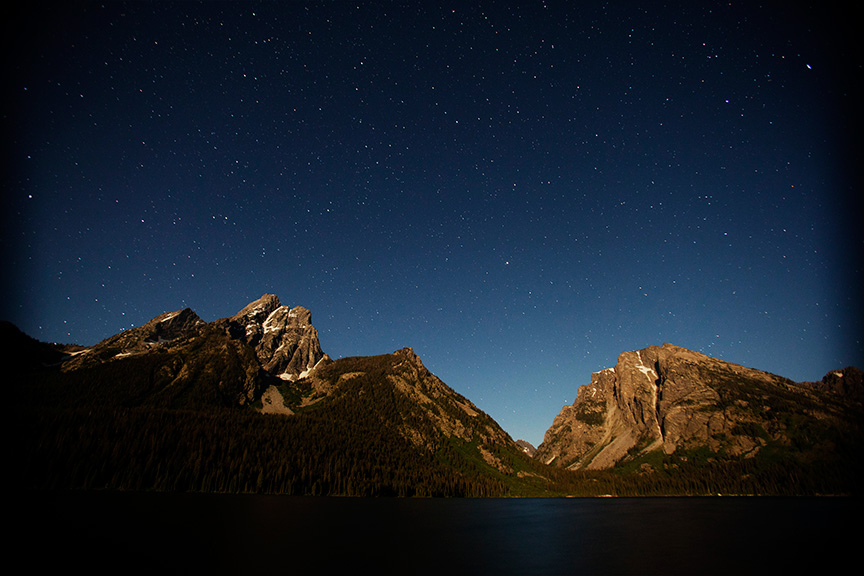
point(429, 413)
point(252, 403)
point(153, 335)
point(526, 447)
point(178, 360)
point(666, 401)
point(284, 339)
point(848, 382)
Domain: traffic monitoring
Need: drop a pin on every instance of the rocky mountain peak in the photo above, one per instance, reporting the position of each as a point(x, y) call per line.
point(407, 355)
point(848, 382)
point(430, 410)
point(664, 398)
point(526, 447)
point(259, 309)
point(172, 325)
point(284, 339)
point(162, 330)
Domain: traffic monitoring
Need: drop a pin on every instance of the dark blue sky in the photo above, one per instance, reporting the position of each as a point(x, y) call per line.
point(519, 191)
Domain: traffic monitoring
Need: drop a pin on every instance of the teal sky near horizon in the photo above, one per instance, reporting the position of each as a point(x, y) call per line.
point(518, 191)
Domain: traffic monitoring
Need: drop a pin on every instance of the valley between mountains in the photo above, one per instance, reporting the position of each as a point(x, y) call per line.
point(252, 404)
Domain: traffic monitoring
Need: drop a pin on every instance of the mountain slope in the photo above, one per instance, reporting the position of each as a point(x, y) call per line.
point(425, 411)
point(669, 400)
point(250, 403)
point(176, 405)
point(139, 340)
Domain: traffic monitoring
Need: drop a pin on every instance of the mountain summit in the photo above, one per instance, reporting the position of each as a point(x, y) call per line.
point(284, 339)
point(668, 399)
point(161, 330)
point(177, 359)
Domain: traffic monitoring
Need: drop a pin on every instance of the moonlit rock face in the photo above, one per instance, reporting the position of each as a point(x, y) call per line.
point(164, 329)
point(659, 398)
point(284, 339)
point(257, 311)
point(169, 316)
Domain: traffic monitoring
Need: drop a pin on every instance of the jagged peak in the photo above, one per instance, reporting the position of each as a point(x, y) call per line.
point(266, 308)
point(409, 355)
point(669, 397)
point(665, 349)
point(301, 313)
point(260, 308)
point(181, 315)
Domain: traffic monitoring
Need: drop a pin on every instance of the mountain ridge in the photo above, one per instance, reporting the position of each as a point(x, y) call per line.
point(327, 422)
point(668, 398)
point(658, 411)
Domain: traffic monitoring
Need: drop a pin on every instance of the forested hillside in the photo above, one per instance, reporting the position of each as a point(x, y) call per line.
point(179, 418)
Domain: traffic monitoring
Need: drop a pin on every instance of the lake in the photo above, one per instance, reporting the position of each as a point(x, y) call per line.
point(122, 533)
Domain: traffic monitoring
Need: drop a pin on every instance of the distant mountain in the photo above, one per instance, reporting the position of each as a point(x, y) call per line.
point(664, 401)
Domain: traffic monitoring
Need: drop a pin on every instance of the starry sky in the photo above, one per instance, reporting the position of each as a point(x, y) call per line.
point(519, 191)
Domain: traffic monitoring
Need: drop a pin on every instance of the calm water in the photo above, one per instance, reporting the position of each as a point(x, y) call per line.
point(197, 534)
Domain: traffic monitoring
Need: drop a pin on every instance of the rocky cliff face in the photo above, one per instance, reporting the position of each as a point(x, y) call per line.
point(848, 382)
point(284, 339)
point(669, 398)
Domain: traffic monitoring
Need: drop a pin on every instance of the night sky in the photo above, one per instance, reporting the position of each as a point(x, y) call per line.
point(518, 191)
